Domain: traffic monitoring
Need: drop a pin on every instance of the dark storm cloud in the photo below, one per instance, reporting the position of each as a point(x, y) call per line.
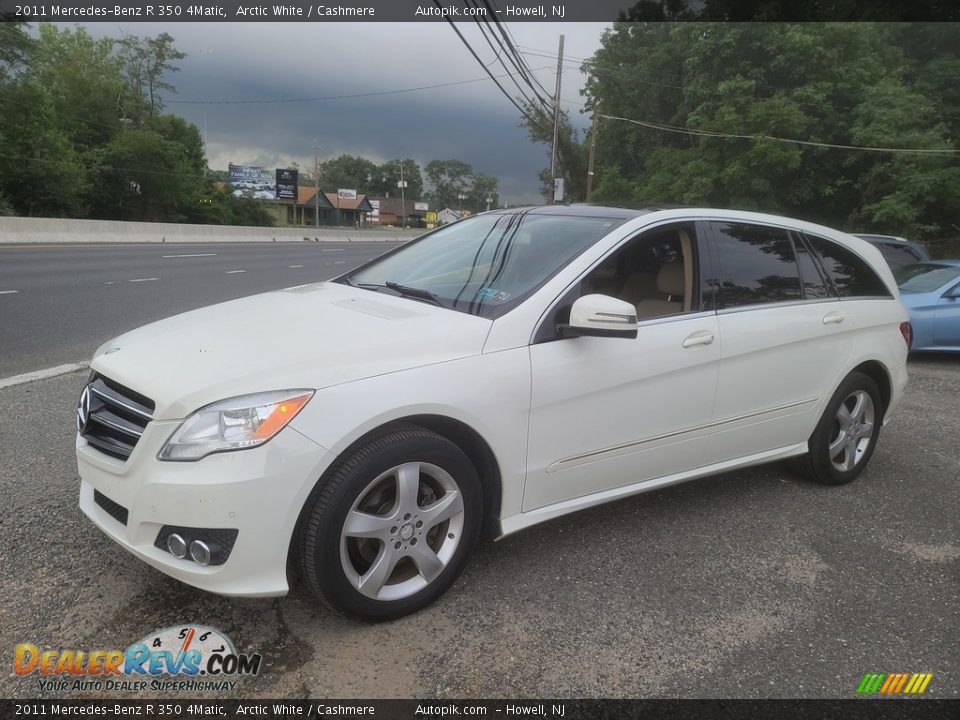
point(472, 122)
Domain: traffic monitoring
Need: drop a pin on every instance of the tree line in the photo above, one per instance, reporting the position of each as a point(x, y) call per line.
point(690, 87)
point(84, 134)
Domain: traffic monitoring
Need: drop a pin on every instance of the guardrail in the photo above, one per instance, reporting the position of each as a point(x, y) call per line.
point(20, 230)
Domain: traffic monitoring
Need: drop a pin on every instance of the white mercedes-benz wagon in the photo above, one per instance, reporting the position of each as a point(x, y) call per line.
point(495, 373)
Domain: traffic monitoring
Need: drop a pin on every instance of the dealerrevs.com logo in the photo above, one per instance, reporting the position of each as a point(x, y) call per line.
point(188, 658)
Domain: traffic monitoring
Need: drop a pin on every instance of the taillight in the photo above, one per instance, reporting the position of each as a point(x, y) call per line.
point(907, 333)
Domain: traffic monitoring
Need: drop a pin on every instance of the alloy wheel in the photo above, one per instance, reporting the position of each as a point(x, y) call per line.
point(853, 431)
point(402, 531)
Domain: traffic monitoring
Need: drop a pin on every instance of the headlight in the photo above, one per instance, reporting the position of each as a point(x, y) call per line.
point(235, 424)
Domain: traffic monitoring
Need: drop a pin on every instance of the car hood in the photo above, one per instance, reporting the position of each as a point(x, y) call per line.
point(309, 336)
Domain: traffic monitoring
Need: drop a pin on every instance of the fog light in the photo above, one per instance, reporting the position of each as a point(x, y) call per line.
point(177, 545)
point(200, 552)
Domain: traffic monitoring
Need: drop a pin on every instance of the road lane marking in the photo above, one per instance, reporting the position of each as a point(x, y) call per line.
point(191, 255)
point(292, 266)
point(144, 279)
point(8, 292)
point(42, 374)
point(331, 250)
point(231, 272)
point(340, 262)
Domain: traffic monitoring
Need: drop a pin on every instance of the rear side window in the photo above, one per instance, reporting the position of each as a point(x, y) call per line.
point(757, 264)
point(851, 275)
point(814, 285)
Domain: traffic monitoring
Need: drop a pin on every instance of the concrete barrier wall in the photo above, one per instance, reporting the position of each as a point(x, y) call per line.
point(58, 230)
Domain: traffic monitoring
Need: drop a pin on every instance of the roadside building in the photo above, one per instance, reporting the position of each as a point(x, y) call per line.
point(448, 216)
point(325, 209)
point(399, 211)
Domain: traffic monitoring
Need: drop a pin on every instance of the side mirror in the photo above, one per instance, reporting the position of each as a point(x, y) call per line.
point(601, 316)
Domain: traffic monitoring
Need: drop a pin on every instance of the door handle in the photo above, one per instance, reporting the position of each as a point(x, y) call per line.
point(836, 317)
point(703, 337)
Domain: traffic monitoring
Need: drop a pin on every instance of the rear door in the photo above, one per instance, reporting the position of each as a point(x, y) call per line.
point(784, 336)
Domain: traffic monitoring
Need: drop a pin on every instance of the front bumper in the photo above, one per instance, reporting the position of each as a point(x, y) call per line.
point(259, 492)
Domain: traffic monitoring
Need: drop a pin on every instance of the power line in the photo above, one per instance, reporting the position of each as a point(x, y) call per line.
point(520, 67)
point(550, 53)
point(473, 52)
point(511, 42)
point(712, 133)
point(344, 97)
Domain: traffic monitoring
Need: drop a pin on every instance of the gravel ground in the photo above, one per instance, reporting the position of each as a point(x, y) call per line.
point(748, 584)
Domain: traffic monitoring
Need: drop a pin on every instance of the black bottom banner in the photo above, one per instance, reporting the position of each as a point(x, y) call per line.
point(501, 709)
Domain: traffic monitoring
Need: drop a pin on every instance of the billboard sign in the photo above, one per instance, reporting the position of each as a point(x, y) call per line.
point(253, 181)
point(421, 206)
point(287, 184)
point(345, 194)
point(375, 213)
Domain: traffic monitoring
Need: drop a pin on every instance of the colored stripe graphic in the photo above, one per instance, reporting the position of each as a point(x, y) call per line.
point(899, 686)
point(918, 683)
point(894, 683)
point(870, 683)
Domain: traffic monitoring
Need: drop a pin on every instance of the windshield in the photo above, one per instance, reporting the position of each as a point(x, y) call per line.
point(484, 265)
point(925, 277)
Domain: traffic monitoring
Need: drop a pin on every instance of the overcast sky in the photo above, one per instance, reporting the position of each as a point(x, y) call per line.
point(472, 122)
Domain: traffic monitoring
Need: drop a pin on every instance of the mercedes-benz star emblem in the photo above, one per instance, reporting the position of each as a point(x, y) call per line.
point(83, 409)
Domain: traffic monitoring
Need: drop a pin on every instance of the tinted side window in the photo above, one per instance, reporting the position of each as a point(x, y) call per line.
point(757, 264)
point(814, 284)
point(851, 275)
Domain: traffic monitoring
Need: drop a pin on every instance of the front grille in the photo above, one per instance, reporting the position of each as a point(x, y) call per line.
point(115, 510)
point(111, 418)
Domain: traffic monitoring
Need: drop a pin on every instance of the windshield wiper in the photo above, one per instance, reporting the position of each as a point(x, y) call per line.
point(405, 290)
point(412, 292)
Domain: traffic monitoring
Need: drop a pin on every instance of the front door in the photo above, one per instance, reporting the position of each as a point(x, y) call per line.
point(611, 412)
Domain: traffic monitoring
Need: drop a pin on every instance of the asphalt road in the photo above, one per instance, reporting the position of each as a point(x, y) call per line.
point(59, 303)
point(747, 584)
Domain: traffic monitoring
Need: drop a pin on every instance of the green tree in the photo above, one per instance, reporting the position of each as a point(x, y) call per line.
point(41, 173)
point(153, 173)
point(483, 192)
point(449, 179)
point(146, 64)
point(881, 85)
point(349, 172)
point(572, 152)
point(389, 176)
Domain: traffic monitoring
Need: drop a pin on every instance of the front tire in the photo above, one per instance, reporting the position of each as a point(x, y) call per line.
point(391, 529)
point(843, 441)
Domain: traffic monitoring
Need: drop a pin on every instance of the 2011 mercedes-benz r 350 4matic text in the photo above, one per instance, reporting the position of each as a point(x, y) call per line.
point(501, 371)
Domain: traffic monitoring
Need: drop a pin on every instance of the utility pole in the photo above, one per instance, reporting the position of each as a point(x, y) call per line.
point(593, 153)
point(403, 197)
point(316, 183)
point(556, 125)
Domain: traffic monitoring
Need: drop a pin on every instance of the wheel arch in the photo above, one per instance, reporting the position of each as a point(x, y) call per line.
point(473, 445)
point(877, 372)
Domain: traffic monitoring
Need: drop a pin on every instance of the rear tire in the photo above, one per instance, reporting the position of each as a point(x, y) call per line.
point(392, 528)
point(843, 441)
